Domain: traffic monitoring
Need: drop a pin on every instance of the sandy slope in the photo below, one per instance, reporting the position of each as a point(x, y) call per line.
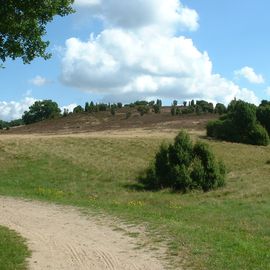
point(62, 238)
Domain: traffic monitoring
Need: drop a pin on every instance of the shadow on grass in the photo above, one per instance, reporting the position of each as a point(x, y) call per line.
point(135, 187)
point(138, 186)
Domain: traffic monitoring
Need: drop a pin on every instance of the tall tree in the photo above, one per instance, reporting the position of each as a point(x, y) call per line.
point(23, 25)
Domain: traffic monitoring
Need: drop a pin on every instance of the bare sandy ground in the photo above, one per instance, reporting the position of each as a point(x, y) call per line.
point(61, 237)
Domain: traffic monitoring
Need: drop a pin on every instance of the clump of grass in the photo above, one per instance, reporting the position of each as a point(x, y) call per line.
point(13, 250)
point(268, 162)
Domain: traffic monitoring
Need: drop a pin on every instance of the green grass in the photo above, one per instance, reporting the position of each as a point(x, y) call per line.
point(13, 250)
point(223, 229)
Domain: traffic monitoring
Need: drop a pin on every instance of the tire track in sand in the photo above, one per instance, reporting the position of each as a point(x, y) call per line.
point(61, 237)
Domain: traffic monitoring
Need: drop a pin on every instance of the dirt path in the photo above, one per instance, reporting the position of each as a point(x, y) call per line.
point(62, 238)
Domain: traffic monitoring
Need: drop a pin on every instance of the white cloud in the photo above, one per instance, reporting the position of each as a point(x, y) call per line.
point(69, 107)
point(136, 14)
point(249, 74)
point(13, 109)
point(140, 57)
point(39, 81)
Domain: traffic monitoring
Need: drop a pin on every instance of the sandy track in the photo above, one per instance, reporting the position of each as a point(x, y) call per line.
point(62, 238)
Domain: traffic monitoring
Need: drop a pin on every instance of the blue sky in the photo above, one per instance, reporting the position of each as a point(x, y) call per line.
point(215, 50)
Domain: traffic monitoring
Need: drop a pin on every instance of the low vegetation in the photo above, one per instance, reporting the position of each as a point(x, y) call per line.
point(13, 250)
point(48, 109)
point(183, 166)
point(227, 228)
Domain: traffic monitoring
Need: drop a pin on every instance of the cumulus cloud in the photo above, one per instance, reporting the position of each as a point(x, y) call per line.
point(249, 74)
point(39, 81)
point(137, 14)
point(137, 57)
point(15, 109)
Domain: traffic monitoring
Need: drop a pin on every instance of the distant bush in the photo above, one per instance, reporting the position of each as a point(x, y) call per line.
point(156, 108)
point(240, 125)
point(113, 111)
point(183, 166)
point(143, 109)
point(78, 109)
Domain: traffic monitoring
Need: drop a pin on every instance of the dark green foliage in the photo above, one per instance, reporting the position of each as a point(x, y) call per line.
point(141, 103)
point(263, 116)
point(156, 108)
point(23, 25)
point(102, 107)
point(205, 106)
point(113, 111)
point(86, 107)
point(181, 151)
point(220, 108)
point(243, 115)
point(240, 125)
point(258, 136)
point(66, 112)
point(162, 167)
point(15, 123)
point(188, 110)
point(198, 110)
point(143, 109)
point(183, 166)
point(159, 102)
point(173, 110)
point(41, 110)
point(151, 103)
point(178, 111)
point(12, 123)
point(207, 173)
point(264, 103)
point(3, 124)
point(119, 105)
point(78, 109)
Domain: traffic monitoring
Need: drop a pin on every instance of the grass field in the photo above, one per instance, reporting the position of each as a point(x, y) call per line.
point(13, 250)
point(223, 229)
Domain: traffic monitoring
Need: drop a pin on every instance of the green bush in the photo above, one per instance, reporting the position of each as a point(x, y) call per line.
point(211, 128)
point(183, 166)
point(258, 136)
point(263, 115)
point(239, 125)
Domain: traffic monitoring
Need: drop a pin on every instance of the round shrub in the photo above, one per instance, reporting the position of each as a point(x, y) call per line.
point(183, 166)
point(258, 136)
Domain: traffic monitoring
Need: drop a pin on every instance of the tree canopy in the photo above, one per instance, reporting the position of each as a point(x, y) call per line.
point(41, 110)
point(23, 25)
